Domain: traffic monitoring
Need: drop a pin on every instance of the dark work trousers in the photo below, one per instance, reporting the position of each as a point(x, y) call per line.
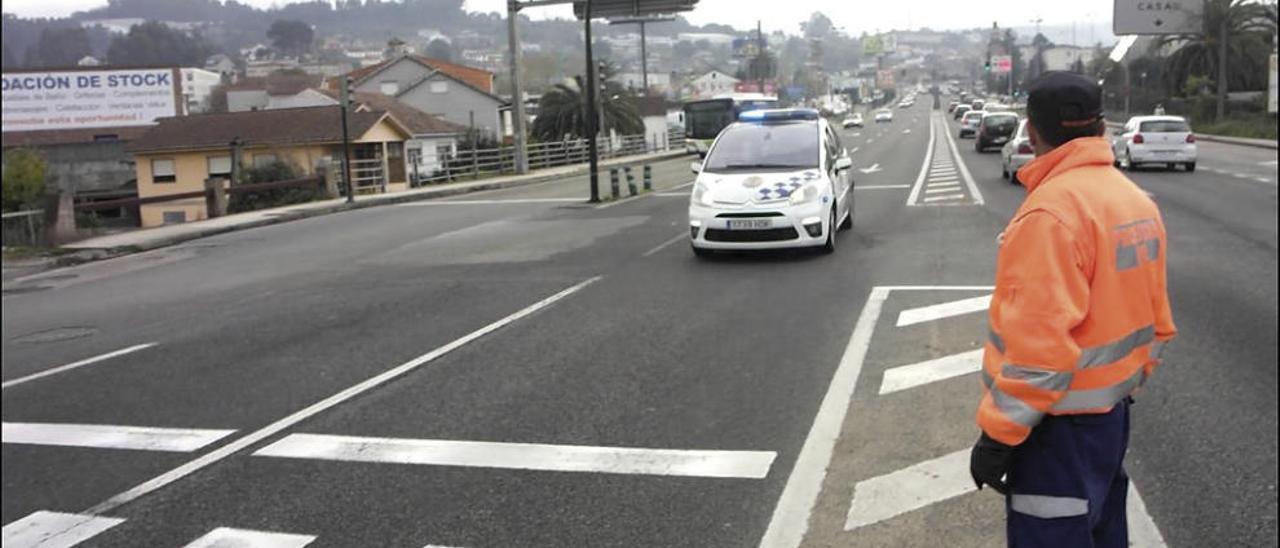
point(1068, 485)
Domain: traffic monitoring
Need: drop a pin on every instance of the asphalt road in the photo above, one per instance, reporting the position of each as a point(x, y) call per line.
point(518, 368)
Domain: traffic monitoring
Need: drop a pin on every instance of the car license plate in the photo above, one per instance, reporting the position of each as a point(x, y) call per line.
point(749, 224)
point(999, 140)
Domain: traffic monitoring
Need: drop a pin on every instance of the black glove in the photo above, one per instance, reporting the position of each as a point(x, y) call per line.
point(989, 462)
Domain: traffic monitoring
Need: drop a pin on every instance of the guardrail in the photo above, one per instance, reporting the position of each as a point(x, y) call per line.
point(23, 228)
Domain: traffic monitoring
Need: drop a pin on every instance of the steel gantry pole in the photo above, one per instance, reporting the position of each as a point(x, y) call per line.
point(520, 156)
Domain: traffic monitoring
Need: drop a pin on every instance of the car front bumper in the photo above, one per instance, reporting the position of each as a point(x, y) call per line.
point(709, 226)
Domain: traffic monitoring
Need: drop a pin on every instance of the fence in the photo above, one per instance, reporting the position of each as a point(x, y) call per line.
point(24, 228)
point(501, 160)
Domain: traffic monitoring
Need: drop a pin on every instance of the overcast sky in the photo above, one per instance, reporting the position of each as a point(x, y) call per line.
point(856, 16)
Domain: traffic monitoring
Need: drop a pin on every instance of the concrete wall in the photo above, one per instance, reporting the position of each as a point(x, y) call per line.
point(404, 73)
point(87, 167)
point(246, 100)
point(455, 103)
point(655, 131)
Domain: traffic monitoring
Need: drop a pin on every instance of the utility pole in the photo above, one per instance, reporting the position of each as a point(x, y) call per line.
point(345, 98)
point(760, 58)
point(593, 148)
point(520, 155)
point(1222, 67)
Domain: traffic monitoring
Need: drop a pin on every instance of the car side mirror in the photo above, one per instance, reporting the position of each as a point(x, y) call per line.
point(843, 163)
point(696, 167)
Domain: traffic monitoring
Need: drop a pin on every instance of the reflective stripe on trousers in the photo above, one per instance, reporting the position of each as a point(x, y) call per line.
point(1047, 507)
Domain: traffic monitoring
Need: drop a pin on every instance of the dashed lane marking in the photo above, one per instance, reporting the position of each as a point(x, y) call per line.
point(943, 310)
point(525, 456)
point(104, 436)
point(227, 537)
point(74, 365)
point(676, 239)
point(54, 529)
point(925, 372)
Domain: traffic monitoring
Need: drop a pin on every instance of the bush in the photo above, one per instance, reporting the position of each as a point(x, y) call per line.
point(24, 174)
point(270, 173)
point(1258, 127)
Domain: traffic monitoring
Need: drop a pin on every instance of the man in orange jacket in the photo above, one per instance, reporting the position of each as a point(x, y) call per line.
point(1078, 319)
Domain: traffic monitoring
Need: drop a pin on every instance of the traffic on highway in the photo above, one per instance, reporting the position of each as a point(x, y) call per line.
point(934, 305)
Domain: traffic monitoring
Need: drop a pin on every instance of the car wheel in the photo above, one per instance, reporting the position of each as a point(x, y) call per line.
point(847, 223)
point(1004, 170)
point(1013, 178)
point(1191, 166)
point(1128, 160)
point(829, 246)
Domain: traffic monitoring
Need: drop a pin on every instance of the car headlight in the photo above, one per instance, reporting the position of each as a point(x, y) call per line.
point(701, 195)
point(804, 195)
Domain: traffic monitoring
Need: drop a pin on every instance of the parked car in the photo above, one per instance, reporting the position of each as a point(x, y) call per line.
point(969, 123)
point(951, 106)
point(960, 110)
point(995, 129)
point(1016, 153)
point(884, 115)
point(854, 120)
point(1166, 140)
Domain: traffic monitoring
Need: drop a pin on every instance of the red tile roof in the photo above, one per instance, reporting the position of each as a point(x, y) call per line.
point(288, 126)
point(46, 137)
point(475, 77)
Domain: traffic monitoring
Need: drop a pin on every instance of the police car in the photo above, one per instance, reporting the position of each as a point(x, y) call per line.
point(777, 178)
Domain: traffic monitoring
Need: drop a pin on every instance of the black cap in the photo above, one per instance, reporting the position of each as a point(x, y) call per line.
point(1064, 99)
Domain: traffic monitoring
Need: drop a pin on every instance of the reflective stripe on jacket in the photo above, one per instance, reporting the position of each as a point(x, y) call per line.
point(1080, 311)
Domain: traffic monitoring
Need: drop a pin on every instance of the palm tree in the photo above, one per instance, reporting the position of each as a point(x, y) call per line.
point(562, 110)
point(1235, 28)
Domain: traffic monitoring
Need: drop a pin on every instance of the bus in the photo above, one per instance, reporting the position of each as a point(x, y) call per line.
point(704, 118)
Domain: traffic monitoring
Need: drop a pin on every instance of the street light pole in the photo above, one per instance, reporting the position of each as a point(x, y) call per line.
point(644, 60)
point(592, 146)
point(520, 156)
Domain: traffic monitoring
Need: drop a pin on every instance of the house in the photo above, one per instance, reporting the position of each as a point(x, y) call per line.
point(456, 93)
point(433, 140)
point(259, 68)
point(197, 85)
point(223, 65)
point(711, 84)
point(278, 90)
point(180, 153)
point(659, 82)
point(654, 111)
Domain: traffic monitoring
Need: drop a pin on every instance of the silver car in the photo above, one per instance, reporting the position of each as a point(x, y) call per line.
point(1016, 153)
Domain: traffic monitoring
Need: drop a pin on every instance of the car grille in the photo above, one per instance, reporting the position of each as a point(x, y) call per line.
point(748, 215)
point(767, 235)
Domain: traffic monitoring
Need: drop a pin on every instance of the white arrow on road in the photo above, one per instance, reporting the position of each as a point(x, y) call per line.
point(874, 168)
point(906, 131)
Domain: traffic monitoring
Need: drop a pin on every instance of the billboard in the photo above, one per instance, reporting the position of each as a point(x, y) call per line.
point(1001, 64)
point(77, 99)
point(752, 86)
point(884, 79)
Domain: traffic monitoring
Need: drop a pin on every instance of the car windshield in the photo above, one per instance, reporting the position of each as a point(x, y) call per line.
point(1163, 126)
point(1000, 123)
point(973, 116)
point(778, 145)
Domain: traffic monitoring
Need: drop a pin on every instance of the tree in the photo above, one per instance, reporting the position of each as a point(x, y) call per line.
point(562, 110)
point(154, 43)
point(291, 37)
point(59, 47)
point(818, 26)
point(9, 60)
point(1248, 29)
point(24, 172)
point(439, 49)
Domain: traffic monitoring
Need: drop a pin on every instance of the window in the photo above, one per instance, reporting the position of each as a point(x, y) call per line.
point(219, 166)
point(389, 87)
point(264, 160)
point(439, 87)
point(787, 145)
point(1164, 126)
point(174, 217)
point(443, 150)
point(162, 171)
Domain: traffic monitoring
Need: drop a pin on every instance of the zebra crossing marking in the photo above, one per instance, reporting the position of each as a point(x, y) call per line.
point(228, 537)
point(922, 373)
point(45, 529)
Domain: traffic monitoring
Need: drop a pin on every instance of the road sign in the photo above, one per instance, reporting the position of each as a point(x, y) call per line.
point(1158, 17)
point(872, 45)
point(884, 79)
point(1271, 87)
point(1001, 64)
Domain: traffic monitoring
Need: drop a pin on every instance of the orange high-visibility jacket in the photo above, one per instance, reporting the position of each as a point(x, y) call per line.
point(1080, 312)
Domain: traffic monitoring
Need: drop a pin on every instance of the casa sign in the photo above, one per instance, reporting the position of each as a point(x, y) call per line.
point(1158, 17)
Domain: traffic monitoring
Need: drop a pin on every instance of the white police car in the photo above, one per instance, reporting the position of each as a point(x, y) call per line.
point(777, 178)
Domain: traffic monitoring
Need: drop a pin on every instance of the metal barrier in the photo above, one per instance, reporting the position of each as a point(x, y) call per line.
point(24, 228)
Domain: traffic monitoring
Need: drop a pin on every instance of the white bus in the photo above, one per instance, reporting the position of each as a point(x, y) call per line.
point(704, 118)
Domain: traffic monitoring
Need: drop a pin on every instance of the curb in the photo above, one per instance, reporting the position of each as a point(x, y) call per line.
point(1224, 139)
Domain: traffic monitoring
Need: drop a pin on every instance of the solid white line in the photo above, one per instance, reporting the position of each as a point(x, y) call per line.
point(924, 166)
point(917, 374)
point(790, 517)
point(105, 436)
point(911, 488)
point(672, 194)
point(227, 537)
point(943, 198)
point(964, 170)
point(939, 311)
point(880, 187)
point(664, 245)
point(937, 287)
point(680, 186)
point(855, 149)
point(525, 456)
point(1143, 532)
point(74, 365)
point(493, 202)
point(327, 403)
point(54, 530)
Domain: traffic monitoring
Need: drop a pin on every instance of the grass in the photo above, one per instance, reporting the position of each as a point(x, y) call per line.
point(1259, 127)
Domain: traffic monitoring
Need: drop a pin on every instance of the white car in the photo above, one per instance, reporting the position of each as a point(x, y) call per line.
point(884, 115)
point(969, 123)
point(1165, 140)
point(854, 120)
point(1016, 153)
point(775, 179)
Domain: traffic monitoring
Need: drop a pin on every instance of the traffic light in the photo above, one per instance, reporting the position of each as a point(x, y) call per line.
point(987, 67)
point(348, 94)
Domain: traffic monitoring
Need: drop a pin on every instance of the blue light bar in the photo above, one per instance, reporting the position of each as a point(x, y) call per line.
point(778, 115)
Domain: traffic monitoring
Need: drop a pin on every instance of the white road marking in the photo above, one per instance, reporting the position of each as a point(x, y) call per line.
point(73, 365)
point(858, 134)
point(869, 141)
point(911, 488)
point(104, 436)
point(854, 149)
point(924, 166)
point(671, 194)
point(525, 456)
point(328, 403)
point(964, 170)
point(54, 530)
point(906, 131)
point(682, 185)
point(1262, 179)
point(227, 537)
point(664, 245)
point(790, 517)
point(1269, 163)
point(1143, 532)
point(880, 187)
point(944, 179)
point(494, 202)
point(940, 189)
point(874, 168)
point(917, 374)
point(939, 311)
point(943, 198)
